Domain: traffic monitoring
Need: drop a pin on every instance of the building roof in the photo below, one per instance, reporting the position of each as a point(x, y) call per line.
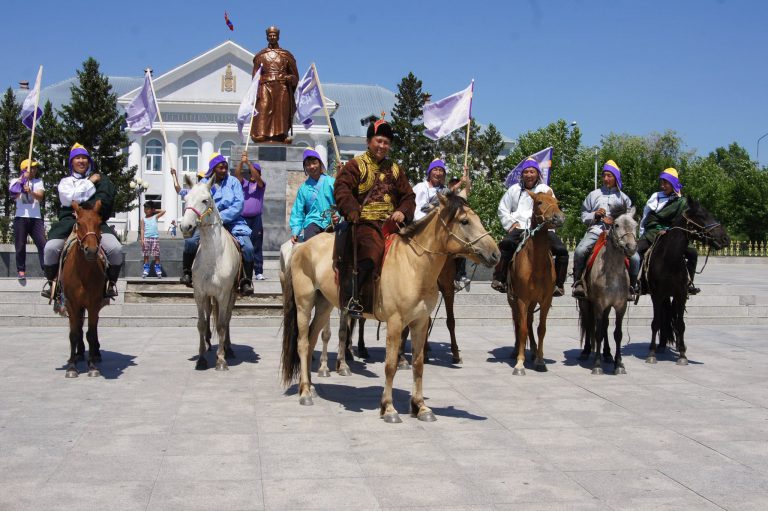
point(59, 93)
point(357, 102)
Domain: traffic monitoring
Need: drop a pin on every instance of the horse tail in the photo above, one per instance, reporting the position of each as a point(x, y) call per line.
point(290, 363)
point(586, 321)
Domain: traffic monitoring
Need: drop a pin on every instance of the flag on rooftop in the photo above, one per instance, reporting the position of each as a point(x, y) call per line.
point(247, 106)
point(448, 114)
point(543, 158)
point(29, 109)
point(308, 97)
point(229, 23)
point(142, 109)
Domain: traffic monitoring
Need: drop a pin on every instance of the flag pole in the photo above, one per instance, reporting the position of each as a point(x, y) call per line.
point(253, 110)
point(34, 114)
point(469, 122)
point(327, 115)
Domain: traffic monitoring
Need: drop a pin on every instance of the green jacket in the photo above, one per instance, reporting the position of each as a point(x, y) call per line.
point(663, 219)
point(105, 192)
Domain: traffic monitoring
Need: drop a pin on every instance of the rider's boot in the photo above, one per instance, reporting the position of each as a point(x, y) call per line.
point(51, 272)
point(692, 289)
point(186, 269)
point(561, 272)
point(364, 271)
point(578, 283)
point(634, 290)
point(113, 273)
point(499, 282)
point(246, 287)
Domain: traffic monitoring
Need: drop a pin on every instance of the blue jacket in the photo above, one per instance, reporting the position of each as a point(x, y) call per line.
point(313, 201)
point(228, 196)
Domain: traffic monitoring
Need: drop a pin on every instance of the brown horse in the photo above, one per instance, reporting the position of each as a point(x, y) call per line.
point(531, 279)
point(406, 293)
point(82, 282)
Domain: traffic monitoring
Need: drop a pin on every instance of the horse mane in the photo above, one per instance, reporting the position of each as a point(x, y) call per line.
point(87, 206)
point(455, 203)
point(618, 209)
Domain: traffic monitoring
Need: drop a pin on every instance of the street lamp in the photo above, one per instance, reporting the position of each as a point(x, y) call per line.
point(139, 186)
point(757, 154)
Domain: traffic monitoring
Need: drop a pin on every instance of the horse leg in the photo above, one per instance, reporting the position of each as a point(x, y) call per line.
point(402, 361)
point(521, 318)
point(362, 351)
point(203, 330)
point(418, 341)
point(655, 324)
point(585, 311)
point(607, 357)
point(223, 315)
point(341, 355)
point(94, 354)
point(618, 365)
point(228, 351)
point(597, 335)
point(75, 340)
point(538, 363)
point(325, 336)
point(387, 410)
point(678, 307)
point(531, 338)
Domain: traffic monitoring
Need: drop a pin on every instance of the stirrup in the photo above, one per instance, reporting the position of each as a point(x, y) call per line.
point(47, 288)
point(579, 290)
point(499, 286)
point(111, 291)
point(354, 309)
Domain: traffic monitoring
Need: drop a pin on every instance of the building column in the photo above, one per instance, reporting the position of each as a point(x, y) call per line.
point(170, 201)
point(134, 159)
point(207, 148)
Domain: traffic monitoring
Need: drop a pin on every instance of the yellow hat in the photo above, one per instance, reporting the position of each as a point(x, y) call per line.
point(672, 172)
point(25, 164)
point(201, 173)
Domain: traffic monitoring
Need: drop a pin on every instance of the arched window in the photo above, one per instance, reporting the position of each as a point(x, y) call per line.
point(226, 151)
point(189, 156)
point(153, 156)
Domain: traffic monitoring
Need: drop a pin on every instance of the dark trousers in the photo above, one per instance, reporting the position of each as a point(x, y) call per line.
point(691, 256)
point(312, 230)
point(461, 267)
point(34, 227)
point(257, 240)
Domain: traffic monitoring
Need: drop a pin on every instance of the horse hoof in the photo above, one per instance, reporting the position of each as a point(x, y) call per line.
point(542, 368)
point(584, 356)
point(427, 416)
point(391, 418)
point(71, 373)
point(93, 373)
point(202, 364)
point(306, 401)
point(619, 370)
point(518, 372)
point(344, 371)
point(597, 370)
point(362, 353)
point(324, 373)
point(682, 361)
point(222, 366)
point(457, 360)
point(650, 360)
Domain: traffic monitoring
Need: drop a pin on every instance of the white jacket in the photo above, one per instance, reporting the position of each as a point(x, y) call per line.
point(74, 189)
point(516, 206)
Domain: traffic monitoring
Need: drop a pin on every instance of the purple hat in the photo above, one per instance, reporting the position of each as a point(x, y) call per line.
point(531, 162)
point(311, 153)
point(79, 150)
point(256, 166)
point(670, 175)
point(437, 162)
point(216, 158)
point(610, 166)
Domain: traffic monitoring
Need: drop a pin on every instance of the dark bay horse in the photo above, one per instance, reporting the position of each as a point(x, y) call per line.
point(531, 279)
point(667, 277)
point(607, 288)
point(82, 281)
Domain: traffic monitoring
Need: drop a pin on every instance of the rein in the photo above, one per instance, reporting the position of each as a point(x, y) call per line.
point(200, 216)
point(466, 244)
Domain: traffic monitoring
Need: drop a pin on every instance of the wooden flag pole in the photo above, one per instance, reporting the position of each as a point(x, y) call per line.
point(327, 116)
point(34, 114)
point(253, 111)
point(469, 123)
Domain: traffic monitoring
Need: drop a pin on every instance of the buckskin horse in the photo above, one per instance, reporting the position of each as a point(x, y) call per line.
point(607, 284)
point(82, 281)
point(531, 279)
point(406, 293)
point(667, 277)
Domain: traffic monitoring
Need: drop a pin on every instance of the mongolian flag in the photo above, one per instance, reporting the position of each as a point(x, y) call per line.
point(229, 23)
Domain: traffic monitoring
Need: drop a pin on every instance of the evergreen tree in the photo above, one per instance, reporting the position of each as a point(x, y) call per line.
point(11, 130)
point(410, 148)
point(92, 119)
point(52, 166)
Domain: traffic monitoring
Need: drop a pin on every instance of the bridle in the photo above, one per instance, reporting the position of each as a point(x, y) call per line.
point(616, 240)
point(702, 231)
point(468, 245)
point(541, 218)
point(200, 216)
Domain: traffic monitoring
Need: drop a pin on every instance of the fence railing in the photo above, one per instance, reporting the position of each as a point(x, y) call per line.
point(734, 249)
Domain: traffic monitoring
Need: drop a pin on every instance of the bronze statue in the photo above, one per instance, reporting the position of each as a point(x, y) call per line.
point(275, 102)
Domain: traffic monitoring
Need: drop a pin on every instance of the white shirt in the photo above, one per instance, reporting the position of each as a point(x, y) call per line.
point(74, 189)
point(516, 206)
point(27, 206)
point(424, 194)
point(657, 201)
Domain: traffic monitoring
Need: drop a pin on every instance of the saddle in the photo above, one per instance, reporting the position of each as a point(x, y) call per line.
point(601, 241)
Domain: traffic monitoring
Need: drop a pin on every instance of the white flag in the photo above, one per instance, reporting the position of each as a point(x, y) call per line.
point(308, 97)
point(448, 114)
point(29, 109)
point(248, 105)
point(142, 109)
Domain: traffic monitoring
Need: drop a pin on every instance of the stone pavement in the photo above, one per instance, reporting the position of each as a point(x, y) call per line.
point(155, 434)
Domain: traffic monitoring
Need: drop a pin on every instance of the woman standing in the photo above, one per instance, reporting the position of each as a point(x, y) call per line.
point(28, 191)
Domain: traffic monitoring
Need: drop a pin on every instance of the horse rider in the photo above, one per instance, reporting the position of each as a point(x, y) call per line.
point(85, 186)
point(595, 213)
point(373, 193)
point(660, 213)
point(515, 211)
point(312, 211)
point(227, 193)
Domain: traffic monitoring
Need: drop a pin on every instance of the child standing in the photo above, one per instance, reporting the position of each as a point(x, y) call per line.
point(150, 239)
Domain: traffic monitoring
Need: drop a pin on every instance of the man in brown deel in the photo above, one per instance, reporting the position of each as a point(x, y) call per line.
point(372, 193)
point(275, 103)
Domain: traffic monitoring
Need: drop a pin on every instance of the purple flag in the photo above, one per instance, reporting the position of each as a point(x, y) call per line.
point(29, 109)
point(448, 114)
point(308, 97)
point(142, 110)
point(543, 158)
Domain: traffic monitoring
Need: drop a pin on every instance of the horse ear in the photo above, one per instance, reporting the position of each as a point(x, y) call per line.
point(532, 195)
point(462, 193)
point(188, 181)
point(75, 207)
point(97, 206)
point(443, 199)
point(550, 192)
point(631, 211)
point(209, 183)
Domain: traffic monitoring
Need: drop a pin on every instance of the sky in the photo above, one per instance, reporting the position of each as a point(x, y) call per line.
point(697, 67)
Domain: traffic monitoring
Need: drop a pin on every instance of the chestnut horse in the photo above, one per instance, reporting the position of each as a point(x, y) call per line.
point(82, 281)
point(531, 278)
point(406, 293)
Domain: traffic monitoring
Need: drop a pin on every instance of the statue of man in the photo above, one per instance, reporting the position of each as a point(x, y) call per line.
point(275, 102)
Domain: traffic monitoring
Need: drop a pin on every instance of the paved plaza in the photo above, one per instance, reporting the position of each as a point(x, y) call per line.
point(153, 433)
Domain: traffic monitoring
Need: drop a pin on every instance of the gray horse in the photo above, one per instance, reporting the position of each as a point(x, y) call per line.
point(608, 287)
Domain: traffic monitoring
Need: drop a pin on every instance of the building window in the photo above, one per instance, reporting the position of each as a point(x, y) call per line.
point(226, 151)
point(153, 160)
point(189, 156)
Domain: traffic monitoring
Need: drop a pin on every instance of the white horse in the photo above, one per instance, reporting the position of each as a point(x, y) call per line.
point(214, 273)
point(286, 249)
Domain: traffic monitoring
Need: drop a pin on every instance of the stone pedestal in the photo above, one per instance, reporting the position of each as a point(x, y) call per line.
point(283, 172)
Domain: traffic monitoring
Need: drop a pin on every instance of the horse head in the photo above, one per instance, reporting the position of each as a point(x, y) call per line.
point(88, 228)
point(546, 209)
point(466, 234)
point(200, 208)
point(704, 227)
point(622, 233)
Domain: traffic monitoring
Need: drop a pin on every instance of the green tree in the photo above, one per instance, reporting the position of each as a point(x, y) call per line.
point(11, 130)
point(410, 148)
point(92, 119)
point(53, 166)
